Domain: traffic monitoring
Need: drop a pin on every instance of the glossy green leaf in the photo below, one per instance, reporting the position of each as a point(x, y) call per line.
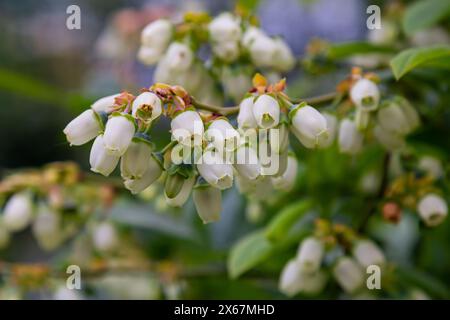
point(423, 14)
point(409, 59)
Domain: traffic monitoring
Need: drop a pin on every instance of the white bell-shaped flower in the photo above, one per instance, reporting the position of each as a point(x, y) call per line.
point(227, 51)
point(365, 94)
point(262, 51)
point(83, 128)
point(149, 55)
point(104, 237)
point(368, 253)
point(294, 280)
point(284, 59)
point(18, 212)
point(225, 27)
point(250, 35)
point(152, 173)
point(215, 170)
point(208, 202)
point(100, 160)
point(47, 228)
point(287, 180)
point(332, 126)
point(136, 160)
point(183, 194)
point(432, 166)
point(187, 128)
point(147, 106)
point(179, 57)
point(279, 138)
point(245, 118)
point(222, 135)
point(349, 274)
point(309, 126)
point(157, 34)
point(105, 104)
point(392, 118)
point(390, 140)
point(310, 254)
point(350, 139)
point(432, 209)
point(266, 111)
point(247, 162)
point(119, 132)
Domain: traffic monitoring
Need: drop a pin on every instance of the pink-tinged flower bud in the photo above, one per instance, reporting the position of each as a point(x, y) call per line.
point(215, 170)
point(368, 253)
point(432, 209)
point(100, 160)
point(348, 274)
point(309, 126)
point(105, 104)
point(287, 180)
point(245, 118)
point(83, 128)
point(153, 172)
point(18, 212)
point(208, 202)
point(147, 107)
point(136, 159)
point(104, 237)
point(266, 111)
point(187, 128)
point(365, 95)
point(310, 254)
point(119, 132)
point(350, 139)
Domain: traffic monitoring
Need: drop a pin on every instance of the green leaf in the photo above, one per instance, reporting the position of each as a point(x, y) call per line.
point(346, 49)
point(423, 14)
point(248, 252)
point(279, 226)
point(409, 59)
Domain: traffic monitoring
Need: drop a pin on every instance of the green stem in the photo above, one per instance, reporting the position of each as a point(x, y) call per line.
point(168, 146)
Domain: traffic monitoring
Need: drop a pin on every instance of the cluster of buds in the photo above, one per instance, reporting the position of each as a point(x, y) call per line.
point(53, 201)
point(336, 248)
point(232, 39)
point(388, 121)
point(206, 153)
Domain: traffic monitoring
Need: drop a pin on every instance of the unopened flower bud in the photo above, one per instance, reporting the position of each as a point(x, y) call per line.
point(104, 237)
point(187, 128)
point(147, 107)
point(225, 27)
point(100, 160)
point(365, 94)
point(119, 131)
point(432, 209)
point(287, 180)
point(349, 274)
point(368, 253)
point(266, 111)
point(178, 198)
point(152, 173)
point(157, 34)
point(18, 212)
point(245, 118)
point(215, 170)
point(208, 202)
point(309, 126)
point(310, 254)
point(83, 128)
point(105, 104)
point(350, 139)
point(247, 162)
point(136, 159)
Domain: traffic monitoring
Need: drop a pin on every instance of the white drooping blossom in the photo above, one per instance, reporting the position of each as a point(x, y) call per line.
point(148, 55)
point(348, 274)
point(83, 128)
point(332, 126)
point(279, 138)
point(100, 160)
point(104, 237)
point(227, 51)
point(283, 59)
point(47, 228)
point(390, 140)
point(153, 172)
point(398, 118)
point(215, 170)
point(262, 51)
point(136, 160)
point(119, 132)
point(225, 27)
point(250, 34)
point(294, 280)
point(350, 139)
point(222, 135)
point(18, 212)
point(432, 209)
point(247, 162)
point(105, 104)
point(147, 106)
point(180, 198)
point(309, 126)
point(287, 180)
point(368, 253)
point(245, 118)
point(155, 37)
point(187, 128)
point(310, 254)
point(208, 202)
point(365, 94)
point(266, 111)
point(432, 166)
point(178, 58)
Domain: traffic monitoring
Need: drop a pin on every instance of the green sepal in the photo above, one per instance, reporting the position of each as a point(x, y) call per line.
point(295, 108)
point(145, 138)
point(127, 116)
